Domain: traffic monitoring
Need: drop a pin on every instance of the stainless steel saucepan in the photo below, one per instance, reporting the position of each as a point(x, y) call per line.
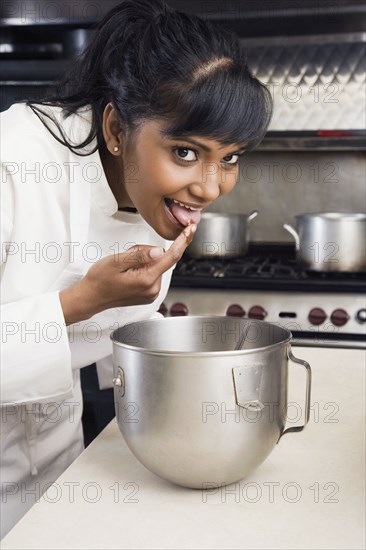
point(223, 235)
point(330, 241)
point(191, 408)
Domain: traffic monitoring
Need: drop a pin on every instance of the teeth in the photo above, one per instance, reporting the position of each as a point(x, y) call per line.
point(186, 206)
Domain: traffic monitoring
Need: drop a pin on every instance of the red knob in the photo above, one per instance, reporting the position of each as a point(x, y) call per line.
point(257, 312)
point(163, 309)
point(178, 310)
point(235, 311)
point(317, 316)
point(339, 317)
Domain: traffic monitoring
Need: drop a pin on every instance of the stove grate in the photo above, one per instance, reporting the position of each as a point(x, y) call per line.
point(266, 266)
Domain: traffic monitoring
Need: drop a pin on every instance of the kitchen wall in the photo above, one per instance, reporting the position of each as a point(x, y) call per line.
point(282, 184)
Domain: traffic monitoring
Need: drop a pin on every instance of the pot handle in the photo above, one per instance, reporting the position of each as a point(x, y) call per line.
point(307, 393)
point(253, 215)
point(294, 233)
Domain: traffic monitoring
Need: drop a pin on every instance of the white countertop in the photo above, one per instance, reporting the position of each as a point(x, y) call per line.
point(308, 494)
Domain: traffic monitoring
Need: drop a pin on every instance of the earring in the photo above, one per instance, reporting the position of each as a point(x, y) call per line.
point(116, 148)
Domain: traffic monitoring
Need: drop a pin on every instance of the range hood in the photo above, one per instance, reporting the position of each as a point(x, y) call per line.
point(318, 84)
point(245, 17)
point(325, 140)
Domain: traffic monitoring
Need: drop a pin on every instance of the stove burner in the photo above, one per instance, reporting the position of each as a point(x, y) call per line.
point(266, 266)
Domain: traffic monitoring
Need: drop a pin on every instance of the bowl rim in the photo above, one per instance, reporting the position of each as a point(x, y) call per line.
point(224, 353)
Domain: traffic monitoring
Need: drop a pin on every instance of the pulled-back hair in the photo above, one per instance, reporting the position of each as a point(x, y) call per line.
point(153, 62)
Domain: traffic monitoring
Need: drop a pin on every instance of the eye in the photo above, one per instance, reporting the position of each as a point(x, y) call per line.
point(185, 154)
point(234, 161)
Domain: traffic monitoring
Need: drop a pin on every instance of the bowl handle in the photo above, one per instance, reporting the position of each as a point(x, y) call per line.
point(307, 393)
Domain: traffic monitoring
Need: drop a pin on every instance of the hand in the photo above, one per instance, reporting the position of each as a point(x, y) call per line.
point(126, 279)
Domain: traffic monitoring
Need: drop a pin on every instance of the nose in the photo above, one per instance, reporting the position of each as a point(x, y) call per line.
point(208, 186)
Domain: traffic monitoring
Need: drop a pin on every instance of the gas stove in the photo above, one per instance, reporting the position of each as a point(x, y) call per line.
point(320, 309)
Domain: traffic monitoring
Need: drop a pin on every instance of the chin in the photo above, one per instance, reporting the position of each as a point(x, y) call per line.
point(169, 235)
point(164, 228)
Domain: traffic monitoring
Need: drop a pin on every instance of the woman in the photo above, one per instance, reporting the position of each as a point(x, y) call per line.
point(145, 132)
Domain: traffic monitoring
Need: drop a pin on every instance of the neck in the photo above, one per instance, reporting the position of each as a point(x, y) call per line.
point(113, 169)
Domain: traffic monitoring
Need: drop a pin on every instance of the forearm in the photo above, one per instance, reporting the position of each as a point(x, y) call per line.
point(75, 305)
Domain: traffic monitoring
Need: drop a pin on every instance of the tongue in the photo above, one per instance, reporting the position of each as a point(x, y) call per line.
point(183, 215)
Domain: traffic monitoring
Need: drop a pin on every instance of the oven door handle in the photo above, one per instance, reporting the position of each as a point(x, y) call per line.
point(307, 393)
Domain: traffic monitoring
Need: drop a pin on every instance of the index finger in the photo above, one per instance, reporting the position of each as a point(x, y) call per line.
point(176, 250)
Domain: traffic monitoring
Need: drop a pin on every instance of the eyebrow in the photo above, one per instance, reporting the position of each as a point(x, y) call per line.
point(202, 145)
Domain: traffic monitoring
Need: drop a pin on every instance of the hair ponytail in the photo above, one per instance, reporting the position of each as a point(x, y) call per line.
point(153, 62)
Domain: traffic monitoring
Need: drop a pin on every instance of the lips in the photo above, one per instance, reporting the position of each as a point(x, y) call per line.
point(183, 214)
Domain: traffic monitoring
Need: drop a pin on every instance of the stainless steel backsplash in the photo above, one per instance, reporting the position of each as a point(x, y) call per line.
point(282, 184)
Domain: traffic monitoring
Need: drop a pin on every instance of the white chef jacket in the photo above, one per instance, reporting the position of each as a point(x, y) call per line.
point(58, 217)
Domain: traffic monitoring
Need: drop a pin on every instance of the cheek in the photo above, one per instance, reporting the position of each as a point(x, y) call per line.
point(140, 175)
point(229, 180)
point(160, 176)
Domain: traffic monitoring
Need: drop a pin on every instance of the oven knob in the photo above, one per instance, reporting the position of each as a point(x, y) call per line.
point(178, 310)
point(361, 316)
point(163, 309)
point(317, 316)
point(257, 312)
point(235, 311)
point(339, 317)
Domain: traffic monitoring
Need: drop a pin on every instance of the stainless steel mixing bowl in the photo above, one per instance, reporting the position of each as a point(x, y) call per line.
point(193, 410)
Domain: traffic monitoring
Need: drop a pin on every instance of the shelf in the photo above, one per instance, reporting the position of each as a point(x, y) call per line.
point(342, 140)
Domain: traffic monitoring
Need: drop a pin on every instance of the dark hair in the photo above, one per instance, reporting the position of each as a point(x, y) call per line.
point(153, 62)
